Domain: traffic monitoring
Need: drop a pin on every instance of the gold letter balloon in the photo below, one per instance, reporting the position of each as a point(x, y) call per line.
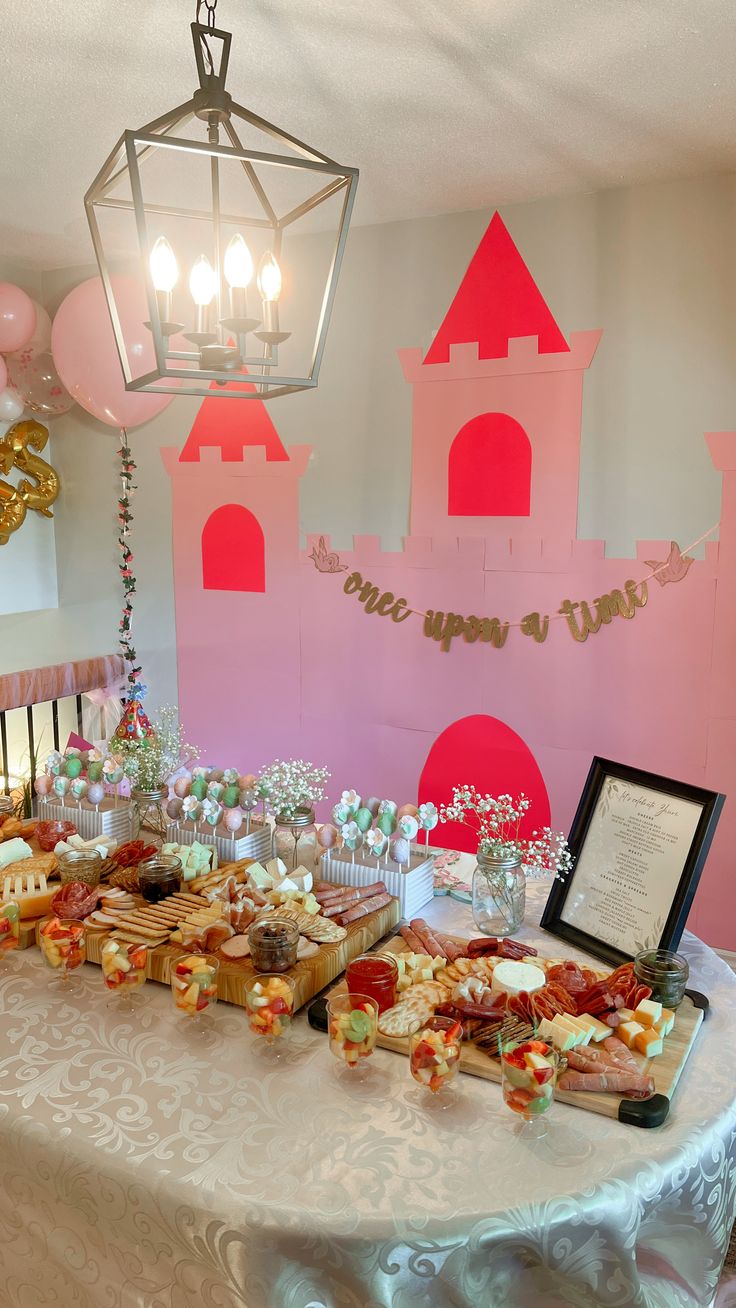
point(38, 493)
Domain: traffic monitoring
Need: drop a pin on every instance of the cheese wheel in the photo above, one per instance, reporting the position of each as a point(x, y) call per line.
point(512, 977)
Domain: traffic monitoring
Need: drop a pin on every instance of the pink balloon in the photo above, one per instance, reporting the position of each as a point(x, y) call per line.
point(86, 357)
point(17, 318)
point(3, 374)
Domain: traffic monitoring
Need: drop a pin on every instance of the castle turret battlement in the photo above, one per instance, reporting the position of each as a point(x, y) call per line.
point(523, 356)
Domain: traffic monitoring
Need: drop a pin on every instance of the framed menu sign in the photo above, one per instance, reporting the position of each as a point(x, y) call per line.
point(638, 843)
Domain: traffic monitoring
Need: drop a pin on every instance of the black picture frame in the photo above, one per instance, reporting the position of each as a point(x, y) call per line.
point(683, 889)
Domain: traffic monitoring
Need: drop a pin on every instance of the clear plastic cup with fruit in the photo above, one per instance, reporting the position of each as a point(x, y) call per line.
point(124, 971)
point(194, 984)
point(63, 947)
point(353, 1029)
point(9, 926)
point(434, 1053)
point(528, 1071)
point(269, 1003)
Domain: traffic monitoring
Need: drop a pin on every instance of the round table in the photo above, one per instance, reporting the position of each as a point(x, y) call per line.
point(142, 1170)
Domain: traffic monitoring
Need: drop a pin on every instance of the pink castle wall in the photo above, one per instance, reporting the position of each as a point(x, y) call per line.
point(302, 670)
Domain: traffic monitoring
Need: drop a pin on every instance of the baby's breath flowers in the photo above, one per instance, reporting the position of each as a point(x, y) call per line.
point(292, 785)
point(497, 822)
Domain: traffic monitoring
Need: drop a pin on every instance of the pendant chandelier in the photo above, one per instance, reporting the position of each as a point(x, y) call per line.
point(225, 209)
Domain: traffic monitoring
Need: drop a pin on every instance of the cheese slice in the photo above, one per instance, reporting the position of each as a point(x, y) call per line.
point(556, 1035)
point(600, 1029)
point(260, 877)
point(512, 977)
point(13, 851)
point(571, 1024)
point(585, 1026)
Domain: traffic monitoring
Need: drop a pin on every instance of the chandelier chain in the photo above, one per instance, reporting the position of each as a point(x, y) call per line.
point(210, 6)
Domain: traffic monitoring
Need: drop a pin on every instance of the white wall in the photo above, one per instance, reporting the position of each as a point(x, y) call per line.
point(653, 265)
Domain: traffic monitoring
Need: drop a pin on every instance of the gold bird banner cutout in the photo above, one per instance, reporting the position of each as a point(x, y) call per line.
point(583, 618)
point(39, 484)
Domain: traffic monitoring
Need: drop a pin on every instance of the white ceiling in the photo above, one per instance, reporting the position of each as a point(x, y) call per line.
point(442, 104)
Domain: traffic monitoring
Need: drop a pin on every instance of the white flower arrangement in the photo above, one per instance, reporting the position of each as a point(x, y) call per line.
point(292, 785)
point(497, 821)
point(150, 763)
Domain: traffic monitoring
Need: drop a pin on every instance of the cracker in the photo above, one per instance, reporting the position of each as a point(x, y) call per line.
point(135, 938)
point(399, 1021)
point(142, 928)
point(321, 929)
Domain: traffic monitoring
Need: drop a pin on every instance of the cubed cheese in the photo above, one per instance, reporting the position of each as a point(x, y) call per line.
point(304, 878)
point(626, 1014)
point(512, 977)
point(600, 1029)
point(665, 1023)
point(276, 868)
point(647, 1012)
point(628, 1031)
point(648, 1042)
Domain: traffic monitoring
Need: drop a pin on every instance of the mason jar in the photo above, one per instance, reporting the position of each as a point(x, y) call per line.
point(80, 865)
point(665, 972)
point(295, 839)
point(147, 811)
point(499, 893)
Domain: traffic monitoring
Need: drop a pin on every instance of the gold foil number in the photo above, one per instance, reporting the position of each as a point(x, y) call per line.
point(36, 494)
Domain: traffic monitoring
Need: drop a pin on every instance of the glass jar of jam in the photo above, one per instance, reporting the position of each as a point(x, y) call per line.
point(273, 944)
point(375, 975)
point(80, 865)
point(665, 972)
point(159, 877)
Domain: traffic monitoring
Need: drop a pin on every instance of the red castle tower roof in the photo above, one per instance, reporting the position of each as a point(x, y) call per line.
point(232, 427)
point(497, 301)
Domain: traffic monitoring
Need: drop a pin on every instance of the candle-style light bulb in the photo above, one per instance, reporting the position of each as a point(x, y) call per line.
point(269, 286)
point(164, 268)
point(238, 264)
point(202, 286)
point(202, 281)
point(269, 278)
point(164, 275)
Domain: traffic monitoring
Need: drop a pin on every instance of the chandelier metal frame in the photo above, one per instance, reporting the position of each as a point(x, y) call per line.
point(193, 371)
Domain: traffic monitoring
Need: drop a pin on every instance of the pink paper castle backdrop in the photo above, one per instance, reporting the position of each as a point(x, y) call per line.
point(274, 660)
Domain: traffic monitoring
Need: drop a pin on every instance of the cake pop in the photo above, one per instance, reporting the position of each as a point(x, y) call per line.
point(215, 774)
point(248, 800)
point(53, 763)
point(96, 792)
point(400, 850)
point(326, 837)
point(61, 786)
point(215, 790)
point(341, 814)
point(182, 786)
point(198, 788)
point(234, 818)
point(73, 767)
point(408, 827)
point(364, 819)
point(372, 805)
point(191, 807)
point(352, 838)
point(229, 797)
point(42, 786)
point(407, 810)
point(173, 809)
point(79, 789)
point(351, 801)
point(386, 823)
point(211, 812)
point(387, 806)
point(376, 843)
point(230, 777)
point(94, 770)
point(428, 819)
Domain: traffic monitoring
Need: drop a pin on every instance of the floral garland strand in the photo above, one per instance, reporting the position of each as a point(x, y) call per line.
point(135, 688)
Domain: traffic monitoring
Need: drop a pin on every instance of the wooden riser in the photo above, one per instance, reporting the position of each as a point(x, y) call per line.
point(309, 977)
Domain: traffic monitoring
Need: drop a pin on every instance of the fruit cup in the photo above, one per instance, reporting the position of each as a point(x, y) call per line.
point(269, 1003)
point(124, 971)
point(62, 946)
point(194, 983)
point(434, 1053)
point(353, 1028)
point(9, 926)
point(528, 1079)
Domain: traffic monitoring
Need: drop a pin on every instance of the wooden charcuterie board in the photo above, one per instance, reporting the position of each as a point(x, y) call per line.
point(666, 1068)
point(309, 976)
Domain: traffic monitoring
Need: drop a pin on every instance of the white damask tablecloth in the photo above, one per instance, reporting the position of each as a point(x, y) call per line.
point(140, 1170)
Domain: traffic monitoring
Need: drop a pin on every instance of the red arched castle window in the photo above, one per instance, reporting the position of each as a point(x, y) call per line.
point(490, 469)
point(233, 551)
